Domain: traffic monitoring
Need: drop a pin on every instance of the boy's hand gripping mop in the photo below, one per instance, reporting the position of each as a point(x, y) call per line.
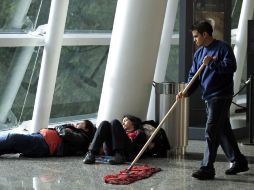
point(134, 173)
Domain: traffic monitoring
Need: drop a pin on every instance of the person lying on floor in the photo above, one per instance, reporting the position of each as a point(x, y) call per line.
point(123, 140)
point(62, 140)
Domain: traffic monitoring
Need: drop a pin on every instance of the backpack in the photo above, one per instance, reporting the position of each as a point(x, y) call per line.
point(160, 144)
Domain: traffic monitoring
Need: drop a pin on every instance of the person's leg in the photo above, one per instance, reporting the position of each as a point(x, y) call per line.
point(102, 136)
point(6, 146)
point(227, 138)
point(212, 133)
point(229, 145)
point(207, 170)
point(120, 140)
point(120, 143)
point(32, 145)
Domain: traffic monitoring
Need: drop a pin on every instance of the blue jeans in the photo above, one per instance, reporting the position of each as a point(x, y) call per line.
point(30, 145)
point(218, 132)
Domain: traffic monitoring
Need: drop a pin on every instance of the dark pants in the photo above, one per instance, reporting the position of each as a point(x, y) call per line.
point(112, 137)
point(218, 132)
point(28, 145)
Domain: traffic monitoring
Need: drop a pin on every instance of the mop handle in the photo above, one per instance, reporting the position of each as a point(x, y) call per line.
point(193, 78)
point(165, 117)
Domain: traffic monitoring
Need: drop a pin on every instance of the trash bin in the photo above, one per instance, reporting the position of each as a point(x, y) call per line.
point(177, 122)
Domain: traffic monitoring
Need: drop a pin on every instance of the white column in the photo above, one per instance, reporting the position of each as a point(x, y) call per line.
point(132, 57)
point(240, 48)
point(49, 65)
point(163, 55)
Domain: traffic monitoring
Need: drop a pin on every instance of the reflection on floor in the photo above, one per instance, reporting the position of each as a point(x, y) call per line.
point(70, 173)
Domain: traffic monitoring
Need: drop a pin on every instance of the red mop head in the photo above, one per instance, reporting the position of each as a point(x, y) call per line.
point(127, 176)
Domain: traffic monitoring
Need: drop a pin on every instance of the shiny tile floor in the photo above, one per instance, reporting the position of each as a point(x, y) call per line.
point(70, 173)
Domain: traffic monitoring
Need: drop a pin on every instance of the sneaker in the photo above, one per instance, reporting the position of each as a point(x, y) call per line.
point(89, 158)
point(237, 167)
point(117, 159)
point(204, 174)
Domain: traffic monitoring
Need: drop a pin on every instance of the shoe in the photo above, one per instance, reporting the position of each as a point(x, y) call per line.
point(204, 174)
point(237, 167)
point(89, 158)
point(117, 159)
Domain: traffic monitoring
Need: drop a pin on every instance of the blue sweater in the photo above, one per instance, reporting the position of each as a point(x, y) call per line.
point(216, 80)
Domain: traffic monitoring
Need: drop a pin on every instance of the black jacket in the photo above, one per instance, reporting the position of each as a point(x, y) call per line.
point(160, 144)
point(74, 141)
point(136, 144)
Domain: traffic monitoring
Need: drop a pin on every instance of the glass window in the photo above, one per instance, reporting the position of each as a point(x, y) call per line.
point(235, 14)
point(90, 15)
point(19, 69)
point(172, 74)
point(79, 80)
point(22, 16)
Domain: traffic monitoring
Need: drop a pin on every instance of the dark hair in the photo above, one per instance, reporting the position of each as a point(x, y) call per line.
point(91, 129)
point(203, 26)
point(137, 123)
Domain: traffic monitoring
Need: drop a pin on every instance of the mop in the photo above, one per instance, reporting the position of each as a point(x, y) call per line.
point(134, 173)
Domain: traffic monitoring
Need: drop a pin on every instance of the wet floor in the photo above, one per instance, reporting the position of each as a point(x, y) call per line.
point(70, 173)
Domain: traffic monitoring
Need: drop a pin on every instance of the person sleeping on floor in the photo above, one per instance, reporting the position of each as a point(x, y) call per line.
point(62, 140)
point(120, 140)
